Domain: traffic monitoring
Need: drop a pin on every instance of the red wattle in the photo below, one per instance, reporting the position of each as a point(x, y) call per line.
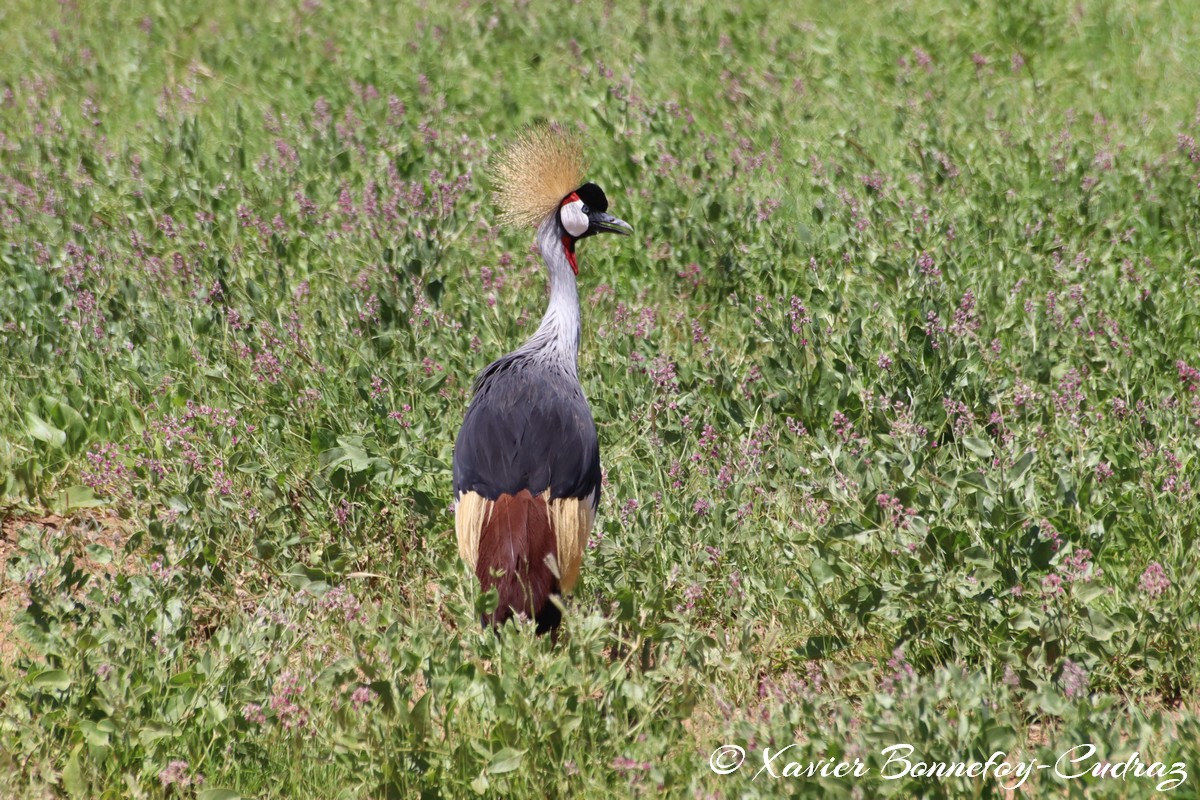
point(569, 246)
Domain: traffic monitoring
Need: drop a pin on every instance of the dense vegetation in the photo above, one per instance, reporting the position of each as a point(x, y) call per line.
point(898, 390)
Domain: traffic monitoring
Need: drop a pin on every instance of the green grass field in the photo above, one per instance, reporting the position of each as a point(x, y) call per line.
point(897, 385)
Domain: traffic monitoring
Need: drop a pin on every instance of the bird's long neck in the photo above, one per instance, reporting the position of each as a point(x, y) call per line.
point(556, 340)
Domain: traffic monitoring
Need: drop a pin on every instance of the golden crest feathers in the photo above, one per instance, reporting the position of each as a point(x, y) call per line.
point(541, 166)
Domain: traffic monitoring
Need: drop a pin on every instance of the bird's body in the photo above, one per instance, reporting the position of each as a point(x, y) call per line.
point(527, 458)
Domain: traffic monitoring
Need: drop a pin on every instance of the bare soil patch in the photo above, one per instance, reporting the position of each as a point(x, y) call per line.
point(86, 527)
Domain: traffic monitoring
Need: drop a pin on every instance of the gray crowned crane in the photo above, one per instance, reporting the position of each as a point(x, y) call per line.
point(527, 459)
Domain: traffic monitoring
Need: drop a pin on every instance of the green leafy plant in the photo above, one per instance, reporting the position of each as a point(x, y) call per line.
point(897, 388)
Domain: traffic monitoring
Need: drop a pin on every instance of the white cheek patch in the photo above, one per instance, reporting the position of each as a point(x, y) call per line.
point(574, 221)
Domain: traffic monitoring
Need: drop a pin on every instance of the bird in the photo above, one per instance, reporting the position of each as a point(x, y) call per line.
point(526, 464)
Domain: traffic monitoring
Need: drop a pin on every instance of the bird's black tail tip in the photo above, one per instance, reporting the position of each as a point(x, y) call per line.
point(548, 619)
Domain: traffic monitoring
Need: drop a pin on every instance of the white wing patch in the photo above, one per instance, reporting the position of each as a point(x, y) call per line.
point(571, 519)
point(470, 515)
point(574, 221)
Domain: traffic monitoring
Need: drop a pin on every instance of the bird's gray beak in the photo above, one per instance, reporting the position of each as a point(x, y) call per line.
point(607, 223)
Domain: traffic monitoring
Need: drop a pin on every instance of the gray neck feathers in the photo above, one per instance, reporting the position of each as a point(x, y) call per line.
point(555, 343)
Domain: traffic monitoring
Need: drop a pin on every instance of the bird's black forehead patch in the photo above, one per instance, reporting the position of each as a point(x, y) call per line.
point(593, 197)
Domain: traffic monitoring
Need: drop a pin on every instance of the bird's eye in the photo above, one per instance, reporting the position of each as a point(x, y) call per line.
point(586, 210)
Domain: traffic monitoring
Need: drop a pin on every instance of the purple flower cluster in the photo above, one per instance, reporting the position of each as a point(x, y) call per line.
point(899, 516)
point(966, 317)
point(341, 600)
point(1024, 394)
point(928, 268)
point(177, 773)
point(1077, 567)
point(107, 472)
point(341, 514)
point(903, 674)
point(842, 426)
point(1074, 679)
point(622, 764)
point(253, 712)
point(1069, 398)
point(401, 416)
point(799, 317)
point(289, 713)
point(1188, 375)
point(662, 373)
point(934, 329)
point(1052, 586)
point(1154, 580)
point(961, 418)
point(691, 595)
point(362, 697)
